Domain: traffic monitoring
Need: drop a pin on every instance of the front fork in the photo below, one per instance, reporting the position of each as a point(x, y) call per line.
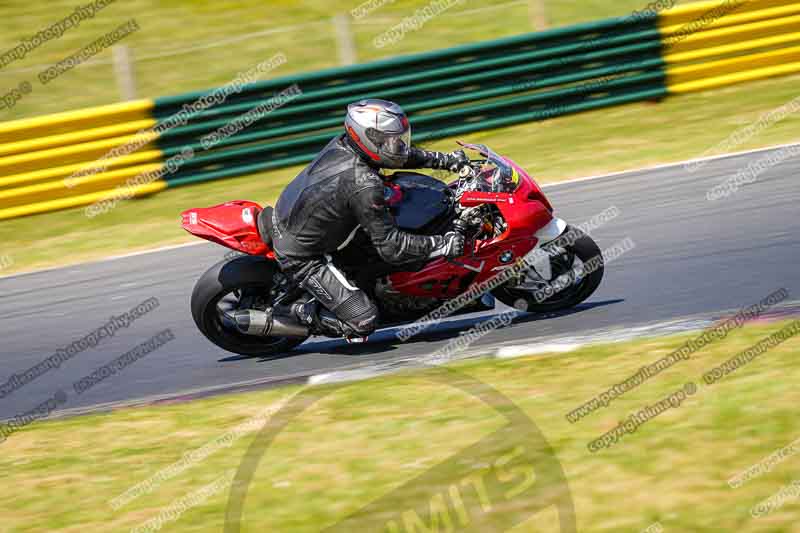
point(540, 259)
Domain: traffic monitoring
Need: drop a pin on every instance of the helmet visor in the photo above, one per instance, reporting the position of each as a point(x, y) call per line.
point(397, 144)
point(393, 148)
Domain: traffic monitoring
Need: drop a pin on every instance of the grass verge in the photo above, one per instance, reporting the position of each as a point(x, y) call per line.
point(364, 440)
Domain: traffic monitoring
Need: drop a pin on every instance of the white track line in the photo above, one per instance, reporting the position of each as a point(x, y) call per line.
point(557, 344)
point(522, 350)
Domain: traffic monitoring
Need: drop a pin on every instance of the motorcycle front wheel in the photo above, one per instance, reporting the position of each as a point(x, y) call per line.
point(575, 272)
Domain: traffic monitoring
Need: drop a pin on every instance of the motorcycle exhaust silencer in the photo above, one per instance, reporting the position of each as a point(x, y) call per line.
point(267, 324)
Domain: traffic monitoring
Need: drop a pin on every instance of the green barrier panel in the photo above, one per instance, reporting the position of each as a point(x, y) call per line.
point(427, 123)
point(199, 177)
point(418, 120)
point(563, 56)
point(305, 141)
point(581, 75)
point(586, 31)
point(337, 105)
point(460, 90)
point(240, 170)
point(652, 91)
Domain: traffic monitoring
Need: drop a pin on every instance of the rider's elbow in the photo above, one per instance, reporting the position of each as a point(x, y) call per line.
point(392, 253)
point(401, 248)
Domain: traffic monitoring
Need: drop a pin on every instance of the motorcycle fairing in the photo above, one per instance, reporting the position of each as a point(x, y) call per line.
point(448, 278)
point(232, 224)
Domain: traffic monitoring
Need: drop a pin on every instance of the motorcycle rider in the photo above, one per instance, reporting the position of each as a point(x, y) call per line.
point(340, 191)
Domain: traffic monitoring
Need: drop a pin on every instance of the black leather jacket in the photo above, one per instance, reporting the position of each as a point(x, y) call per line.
point(338, 192)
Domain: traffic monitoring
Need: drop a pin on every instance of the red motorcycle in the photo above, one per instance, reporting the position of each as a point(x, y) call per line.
point(516, 250)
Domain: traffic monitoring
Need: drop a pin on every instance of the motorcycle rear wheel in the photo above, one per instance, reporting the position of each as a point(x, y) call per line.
point(544, 300)
point(228, 285)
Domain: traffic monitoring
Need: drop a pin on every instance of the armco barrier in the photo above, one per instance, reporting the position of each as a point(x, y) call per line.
point(447, 92)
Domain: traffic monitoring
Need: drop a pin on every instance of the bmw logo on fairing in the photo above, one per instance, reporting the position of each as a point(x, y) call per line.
point(506, 257)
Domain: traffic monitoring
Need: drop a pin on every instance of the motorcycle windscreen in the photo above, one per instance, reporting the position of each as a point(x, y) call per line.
point(426, 201)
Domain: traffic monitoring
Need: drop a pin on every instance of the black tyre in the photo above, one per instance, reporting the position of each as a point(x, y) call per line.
point(576, 272)
point(241, 282)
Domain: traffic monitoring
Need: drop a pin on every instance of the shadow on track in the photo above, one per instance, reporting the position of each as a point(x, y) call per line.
point(385, 340)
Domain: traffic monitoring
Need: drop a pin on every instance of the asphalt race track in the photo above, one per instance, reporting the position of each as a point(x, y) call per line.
point(691, 256)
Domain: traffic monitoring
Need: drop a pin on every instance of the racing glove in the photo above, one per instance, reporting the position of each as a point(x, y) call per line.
point(456, 161)
point(419, 158)
point(449, 245)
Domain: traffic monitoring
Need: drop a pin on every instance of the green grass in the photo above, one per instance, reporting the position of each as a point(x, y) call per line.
point(366, 439)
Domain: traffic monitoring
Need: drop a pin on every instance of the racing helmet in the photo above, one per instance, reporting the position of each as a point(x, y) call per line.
point(379, 130)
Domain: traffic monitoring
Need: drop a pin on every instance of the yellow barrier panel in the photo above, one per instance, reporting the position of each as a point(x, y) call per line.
point(76, 137)
point(70, 121)
point(78, 153)
point(718, 13)
point(77, 201)
point(677, 43)
point(682, 74)
point(51, 173)
point(731, 20)
point(731, 49)
point(59, 189)
point(731, 79)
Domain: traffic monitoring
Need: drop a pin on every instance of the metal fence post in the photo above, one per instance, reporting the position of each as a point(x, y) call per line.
point(345, 42)
point(538, 14)
point(123, 69)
